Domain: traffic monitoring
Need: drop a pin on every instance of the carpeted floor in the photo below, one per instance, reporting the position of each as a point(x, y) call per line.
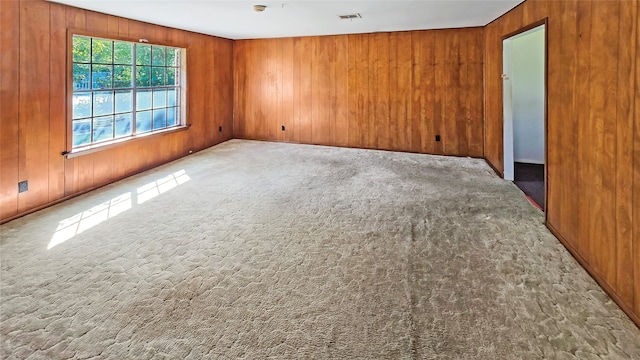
point(530, 179)
point(265, 250)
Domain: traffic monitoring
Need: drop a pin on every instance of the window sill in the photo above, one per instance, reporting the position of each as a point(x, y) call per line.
point(85, 150)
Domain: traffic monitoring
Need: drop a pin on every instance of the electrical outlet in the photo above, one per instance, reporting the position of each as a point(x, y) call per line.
point(23, 186)
point(437, 137)
point(282, 127)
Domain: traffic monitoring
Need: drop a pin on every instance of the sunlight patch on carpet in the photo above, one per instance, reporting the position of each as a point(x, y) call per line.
point(78, 223)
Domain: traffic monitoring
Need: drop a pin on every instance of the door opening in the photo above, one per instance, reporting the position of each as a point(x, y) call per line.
point(524, 110)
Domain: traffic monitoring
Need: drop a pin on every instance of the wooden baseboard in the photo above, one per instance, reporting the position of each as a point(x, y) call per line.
point(494, 168)
point(627, 308)
point(345, 146)
point(68, 197)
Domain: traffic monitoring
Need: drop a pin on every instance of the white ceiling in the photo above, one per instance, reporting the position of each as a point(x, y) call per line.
point(237, 20)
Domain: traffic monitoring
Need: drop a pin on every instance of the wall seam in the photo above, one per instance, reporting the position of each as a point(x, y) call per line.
point(635, 162)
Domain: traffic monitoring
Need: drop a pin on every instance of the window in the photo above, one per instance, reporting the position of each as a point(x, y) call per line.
point(123, 89)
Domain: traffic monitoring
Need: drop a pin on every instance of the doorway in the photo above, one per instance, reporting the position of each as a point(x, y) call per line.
point(524, 110)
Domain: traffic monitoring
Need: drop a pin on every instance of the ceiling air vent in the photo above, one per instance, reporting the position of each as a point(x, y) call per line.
point(350, 16)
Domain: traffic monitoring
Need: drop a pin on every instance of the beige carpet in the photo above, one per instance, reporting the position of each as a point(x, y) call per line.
point(263, 250)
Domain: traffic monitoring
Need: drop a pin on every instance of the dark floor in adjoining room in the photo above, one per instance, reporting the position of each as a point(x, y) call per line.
point(530, 179)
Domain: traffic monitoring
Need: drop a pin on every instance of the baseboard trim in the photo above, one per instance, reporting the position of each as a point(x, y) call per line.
point(627, 308)
point(82, 192)
point(359, 147)
point(498, 172)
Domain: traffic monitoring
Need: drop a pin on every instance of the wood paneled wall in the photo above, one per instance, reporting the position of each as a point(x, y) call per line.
point(593, 124)
point(392, 91)
point(33, 53)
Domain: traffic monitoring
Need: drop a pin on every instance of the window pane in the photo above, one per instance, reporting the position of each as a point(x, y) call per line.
point(101, 76)
point(123, 101)
point(159, 119)
point(171, 117)
point(122, 53)
point(81, 76)
point(123, 124)
point(143, 121)
point(143, 100)
point(158, 57)
point(81, 105)
point(81, 49)
point(81, 132)
point(122, 76)
point(157, 76)
point(172, 97)
point(109, 95)
point(103, 128)
point(102, 103)
point(173, 57)
point(171, 76)
point(102, 51)
point(143, 54)
point(143, 76)
point(159, 98)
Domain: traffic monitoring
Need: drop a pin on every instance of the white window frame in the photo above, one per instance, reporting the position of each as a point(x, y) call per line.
point(181, 86)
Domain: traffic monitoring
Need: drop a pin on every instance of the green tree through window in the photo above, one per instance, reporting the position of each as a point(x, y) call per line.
point(122, 89)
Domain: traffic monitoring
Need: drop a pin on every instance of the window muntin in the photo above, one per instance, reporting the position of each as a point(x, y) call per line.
point(122, 89)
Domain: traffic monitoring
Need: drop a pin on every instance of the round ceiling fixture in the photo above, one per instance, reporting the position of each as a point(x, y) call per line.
point(259, 8)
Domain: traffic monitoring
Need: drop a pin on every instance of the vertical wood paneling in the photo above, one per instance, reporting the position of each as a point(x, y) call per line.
point(390, 91)
point(372, 99)
point(287, 89)
point(297, 94)
point(9, 121)
point(331, 101)
point(562, 134)
point(583, 106)
point(272, 122)
point(34, 105)
point(342, 120)
point(209, 127)
point(176, 148)
point(57, 104)
point(592, 159)
point(196, 59)
point(624, 150)
point(493, 147)
point(303, 106)
point(279, 74)
point(76, 19)
point(382, 95)
point(97, 22)
point(424, 89)
point(449, 121)
point(123, 27)
point(358, 90)
point(475, 95)
point(603, 92)
point(440, 95)
point(251, 92)
point(394, 100)
point(460, 100)
point(240, 89)
point(113, 26)
point(321, 80)
point(400, 90)
point(636, 172)
point(223, 91)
